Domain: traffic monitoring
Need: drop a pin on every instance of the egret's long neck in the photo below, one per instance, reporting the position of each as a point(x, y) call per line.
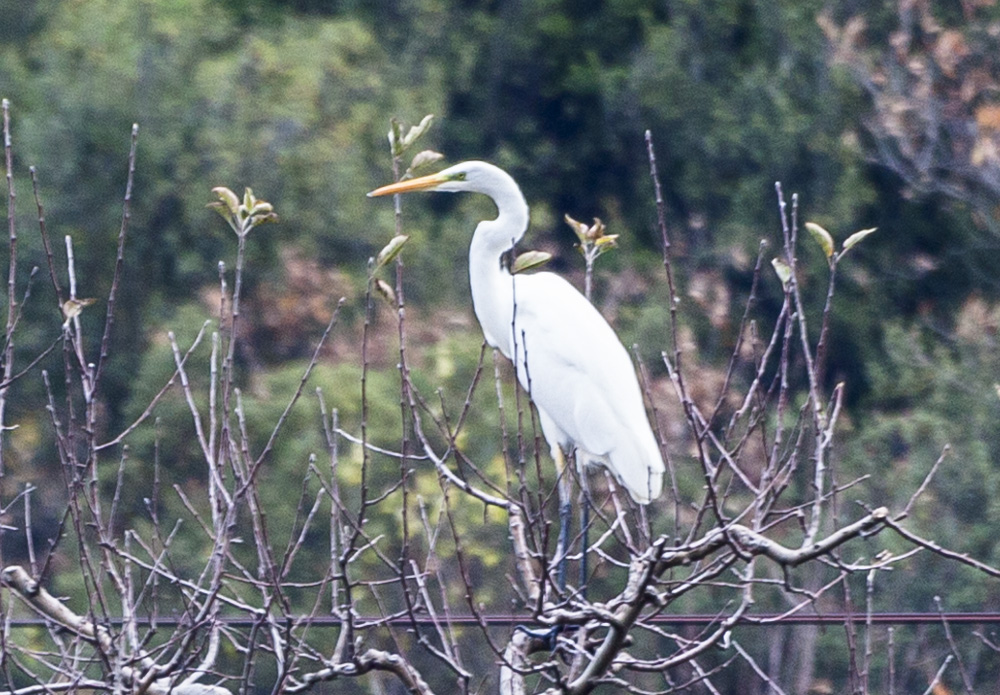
point(492, 285)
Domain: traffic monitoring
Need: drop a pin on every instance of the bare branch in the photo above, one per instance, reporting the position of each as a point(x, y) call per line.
point(45, 604)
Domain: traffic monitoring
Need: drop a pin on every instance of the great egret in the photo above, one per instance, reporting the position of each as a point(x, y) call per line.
point(566, 356)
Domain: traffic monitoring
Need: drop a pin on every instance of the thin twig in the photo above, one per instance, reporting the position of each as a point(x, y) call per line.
point(119, 260)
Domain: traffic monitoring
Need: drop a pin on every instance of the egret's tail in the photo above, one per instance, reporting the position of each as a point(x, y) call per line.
point(639, 469)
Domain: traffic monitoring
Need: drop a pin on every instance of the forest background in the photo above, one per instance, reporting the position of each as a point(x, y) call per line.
point(879, 114)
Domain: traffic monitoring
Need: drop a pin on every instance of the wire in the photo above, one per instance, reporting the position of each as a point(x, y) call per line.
point(508, 620)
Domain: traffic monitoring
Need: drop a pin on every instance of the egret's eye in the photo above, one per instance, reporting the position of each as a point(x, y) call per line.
point(457, 176)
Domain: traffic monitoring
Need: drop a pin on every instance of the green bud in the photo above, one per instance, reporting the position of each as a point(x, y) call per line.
point(385, 289)
point(395, 145)
point(856, 237)
point(423, 158)
point(227, 199)
point(417, 130)
point(529, 260)
point(72, 308)
point(391, 250)
point(264, 218)
point(822, 237)
point(783, 271)
point(579, 228)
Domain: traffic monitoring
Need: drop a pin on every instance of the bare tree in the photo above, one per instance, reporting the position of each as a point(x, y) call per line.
point(761, 537)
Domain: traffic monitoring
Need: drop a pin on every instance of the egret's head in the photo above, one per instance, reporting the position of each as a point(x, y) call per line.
point(478, 177)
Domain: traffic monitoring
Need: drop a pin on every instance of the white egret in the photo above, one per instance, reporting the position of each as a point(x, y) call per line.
point(566, 356)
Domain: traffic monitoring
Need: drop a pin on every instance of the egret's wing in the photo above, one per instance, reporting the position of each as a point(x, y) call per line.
point(581, 376)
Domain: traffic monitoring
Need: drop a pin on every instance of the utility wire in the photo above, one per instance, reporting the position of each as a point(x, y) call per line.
point(509, 620)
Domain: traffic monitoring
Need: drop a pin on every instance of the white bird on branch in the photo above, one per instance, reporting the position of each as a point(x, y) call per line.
point(566, 356)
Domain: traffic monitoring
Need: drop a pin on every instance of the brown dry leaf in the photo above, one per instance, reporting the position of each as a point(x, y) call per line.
point(900, 42)
point(844, 40)
point(975, 82)
point(985, 152)
point(978, 321)
point(988, 117)
point(928, 22)
point(949, 50)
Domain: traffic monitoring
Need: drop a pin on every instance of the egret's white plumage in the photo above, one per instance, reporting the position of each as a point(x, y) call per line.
point(567, 357)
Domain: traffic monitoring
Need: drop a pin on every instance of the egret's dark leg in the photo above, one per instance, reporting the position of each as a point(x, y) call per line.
point(549, 635)
point(565, 514)
point(562, 549)
point(584, 534)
